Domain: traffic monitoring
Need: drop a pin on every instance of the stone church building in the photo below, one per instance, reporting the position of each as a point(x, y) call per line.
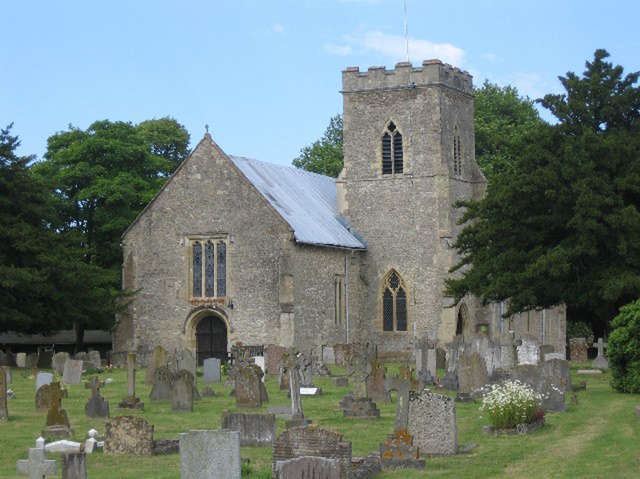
point(234, 249)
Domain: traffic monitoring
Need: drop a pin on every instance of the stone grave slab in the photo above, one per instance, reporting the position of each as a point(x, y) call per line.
point(158, 359)
point(273, 355)
point(328, 356)
point(128, 435)
point(57, 362)
point(207, 454)
point(97, 406)
point(578, 350)
point(74, 465)
point(37, 467)
point(162, 389)
point(248, 387)
point(182, 395)
point(31, 361)
point(130, 401)
point(42, 379)
point(8, 375)
point(185, 360)
point(94, 358)
point(472, 373)
point(376, 383)
point(601, 361)
point(212, 370)
point(191, 380)
point(72, 373)
point(529, 350)
point(432, 422)
point(357, 404)
point(57, 419)
point(44, 360)
point(21, 360)
point(308, 467)
point(590, 372)
point(254, 429)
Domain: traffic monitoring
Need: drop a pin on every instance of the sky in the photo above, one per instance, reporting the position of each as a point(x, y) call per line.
point(265, 75)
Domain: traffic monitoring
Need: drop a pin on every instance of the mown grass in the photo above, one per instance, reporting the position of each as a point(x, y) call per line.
point(596, 438)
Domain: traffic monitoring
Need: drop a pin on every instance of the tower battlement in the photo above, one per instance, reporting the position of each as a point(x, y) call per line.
point(405, 75)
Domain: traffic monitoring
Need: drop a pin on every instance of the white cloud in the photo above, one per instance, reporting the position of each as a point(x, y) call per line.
point(530, 84)
point(394, 46)
point(276, 27)
point(492, 57)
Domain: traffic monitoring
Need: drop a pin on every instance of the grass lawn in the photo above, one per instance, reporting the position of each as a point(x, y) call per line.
point(597, 438)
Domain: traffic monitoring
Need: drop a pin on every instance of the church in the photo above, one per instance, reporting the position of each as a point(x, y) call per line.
point(237, 250)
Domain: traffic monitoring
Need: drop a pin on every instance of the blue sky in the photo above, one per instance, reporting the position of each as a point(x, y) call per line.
point(265, 75)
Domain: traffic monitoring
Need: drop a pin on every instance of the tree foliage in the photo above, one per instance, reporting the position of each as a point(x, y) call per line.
point(502, 119)
point(623, 349)
point(324, 156)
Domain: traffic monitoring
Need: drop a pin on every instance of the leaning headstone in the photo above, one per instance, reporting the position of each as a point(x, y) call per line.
point(211, 370)
point(578, 350)
point(21, 360)
point(207, 454)
point(4, 411)
point(357, 404)
point(44, 360)
point(432, 422)
point(37, 467)
point(162, 390)
point(185, 360)
point(158, 359)
point(312, 441)
point(254, 429)
point(376, 382)
point(130, 401)
point(529, 350)
point(128, 435)
point(308, 467)
point(42, 379)
point(248, 393)
point(472, 373)
point(96, 406)
point(600, 362)
point(57, 362)
point(94, 358)
point(74, 465)
point(57, 419)
point(182, 395)
point(72, 372)
point(31, 361)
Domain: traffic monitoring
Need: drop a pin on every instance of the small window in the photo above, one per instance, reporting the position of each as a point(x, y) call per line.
point(457, 153)
point(340, 305)
point(394, 303)
point(208, 268)
point(392, 154)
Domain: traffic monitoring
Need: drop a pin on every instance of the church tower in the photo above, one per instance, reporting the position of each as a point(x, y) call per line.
point(408, 156)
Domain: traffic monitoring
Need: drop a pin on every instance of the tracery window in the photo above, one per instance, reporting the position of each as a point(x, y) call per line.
point(392, 155)
point(394, 303)
point(457, 153)
point(208, 268)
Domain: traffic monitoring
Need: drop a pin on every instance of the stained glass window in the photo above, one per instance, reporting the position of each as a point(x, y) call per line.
point(197, 269)
point(394, 303)
point(387, 310)
point(209, 277)
point(401, 310)
point(222, 269)
point(209, 265)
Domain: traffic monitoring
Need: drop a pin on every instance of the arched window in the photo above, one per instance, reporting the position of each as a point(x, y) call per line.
point(457, 153)
point(209, 268)
point(462, 325)
point(394, 303)
point(392, 156)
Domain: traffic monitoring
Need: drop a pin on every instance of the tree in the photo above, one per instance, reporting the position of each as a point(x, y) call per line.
point(502, 118)
point(325, 155)
point(102, 178)
point(562, 225)
point(623, 349)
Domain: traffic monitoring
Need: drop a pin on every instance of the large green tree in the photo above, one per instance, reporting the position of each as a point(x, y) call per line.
point(102, 178)
point(562, 225)
point(324, 156)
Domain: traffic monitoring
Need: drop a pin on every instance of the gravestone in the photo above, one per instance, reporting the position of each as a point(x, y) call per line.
point(306, 371)
point(454, 350)
point(546, 349)
point(57, 362)
point(37, 467)
point(357, 404)
point(432, 422)
point(508, 355)
point(96, 406)
point(72, 372)
point(481, 344)
point(560, 369)
point(57, 419)
point(600, 362)
point(254, 429)
point(31, 361)
point(130, 401)
point(283, 380)
point(42, 379)
point(211, 370)
point(549, 356)
point(21, 360)
point(291, 365)
point(376, 382)
point(578, 350)
point(4, 359)
point(529, 350)
point(398, 450)
point(44, 360)
point(207, 454)
point(8, 375)
point(248, 390)
point(308, 467)
point(472, 373)
point(4, 410)
point(328, 356)
point(191, 380)
point(273, 355)
point(162, 390)
point(128, 435)
point(81, 356)
point(94, 358)
point(158, 359)
point(312, 441)
point(185, 360)
point(182, 395)
point(259, 361)
point(43, 396)
point(426, 360)
point(74, 465)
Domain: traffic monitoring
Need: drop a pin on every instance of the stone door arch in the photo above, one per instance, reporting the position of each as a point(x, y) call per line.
point(211, 337)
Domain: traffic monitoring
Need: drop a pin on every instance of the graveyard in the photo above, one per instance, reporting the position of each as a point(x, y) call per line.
point(596, 436)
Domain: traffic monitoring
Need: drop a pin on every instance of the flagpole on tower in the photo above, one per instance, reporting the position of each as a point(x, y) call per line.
point(406, 32)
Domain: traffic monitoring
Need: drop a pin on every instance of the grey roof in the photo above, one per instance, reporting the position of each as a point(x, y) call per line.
point(307, 201)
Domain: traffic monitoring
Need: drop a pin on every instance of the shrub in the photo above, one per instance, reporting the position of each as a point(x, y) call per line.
point(623, 349)
point(510, 404)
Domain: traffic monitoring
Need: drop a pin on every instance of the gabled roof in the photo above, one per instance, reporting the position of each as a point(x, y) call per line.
point(306, 201)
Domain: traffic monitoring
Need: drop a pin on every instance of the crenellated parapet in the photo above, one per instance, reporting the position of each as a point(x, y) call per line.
point(405, 75)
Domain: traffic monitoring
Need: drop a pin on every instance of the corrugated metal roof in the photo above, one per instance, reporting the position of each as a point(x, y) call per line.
point(307, 201)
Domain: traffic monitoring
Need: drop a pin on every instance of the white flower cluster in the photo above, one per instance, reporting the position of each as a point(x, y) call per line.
point(510, 404)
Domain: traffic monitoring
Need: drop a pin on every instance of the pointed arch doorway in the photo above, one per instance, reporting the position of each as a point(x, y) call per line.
point(211, 338)
point(462, 325)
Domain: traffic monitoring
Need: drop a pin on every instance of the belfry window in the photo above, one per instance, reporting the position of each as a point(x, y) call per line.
point(394, 303)
point(392, 155)
point(457, 153)
point(208, 268)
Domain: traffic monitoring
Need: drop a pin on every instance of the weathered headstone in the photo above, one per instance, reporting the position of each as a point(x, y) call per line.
point(4, 359)
point(42, 379)
point(376, 382)
point(481, 344)
point(578, 350)
point(254, 429)
point(273, 355)
point(158, 359)
point(291, 364)
point(328, 357)
point(37, 467)
point(549, 356)
point(162, 390)
point(600, 362)
point(260, 362)
point(44, 360)
point(546, 349)
point(21, 360)
point(432, 422)
point(191, 380)
point(185, 360)
point(211, 370)
point(81, 356)
point(130, 401)
point(529, 350)
point(128, 435)
point(312, 441)
point(8, 375)
point(308, 467)
point(248, 382)
point(508, 355)
point(4, 410)
point(57, 362)
point(560, 369)
point(57, 419)
point(182, 395)
point(72, 372)
point(207, 454)
point(31, 361)
point(551, 388)
point(454, 350)
point(357, 404)
point(96, 406)
point(94, 358)
point(74, 465)
point(426, 360)
point(472, 373)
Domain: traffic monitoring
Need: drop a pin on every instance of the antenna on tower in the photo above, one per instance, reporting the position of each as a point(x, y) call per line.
point(406, 31)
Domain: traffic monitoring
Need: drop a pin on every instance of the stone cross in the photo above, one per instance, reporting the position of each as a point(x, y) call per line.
point(404, 384)
point(600, 345)
point(36, 467)
point(94, 384)
point(292, 361)
point(359, 368)
point(600, 362)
